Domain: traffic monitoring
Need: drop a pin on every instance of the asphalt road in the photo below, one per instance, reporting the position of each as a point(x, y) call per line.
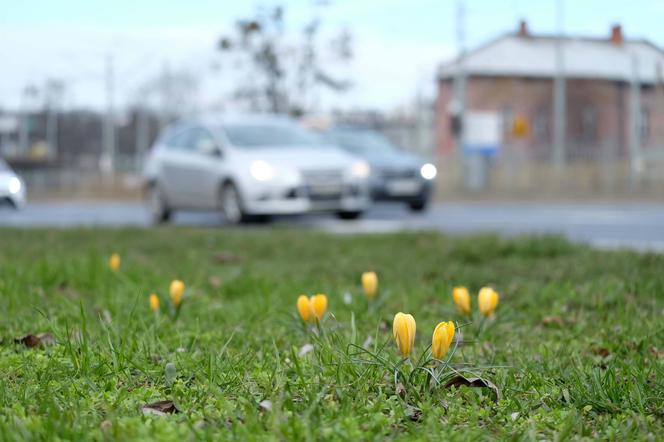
point(621, 225)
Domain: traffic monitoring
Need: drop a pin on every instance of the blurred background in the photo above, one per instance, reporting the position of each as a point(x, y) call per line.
point(539, 102)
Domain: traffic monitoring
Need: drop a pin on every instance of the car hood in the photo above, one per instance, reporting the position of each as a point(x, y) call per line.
point(301, 158)
point(4, 179)
point(394, 160)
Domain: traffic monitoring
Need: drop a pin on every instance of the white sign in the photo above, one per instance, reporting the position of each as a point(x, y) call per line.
point(483, 132)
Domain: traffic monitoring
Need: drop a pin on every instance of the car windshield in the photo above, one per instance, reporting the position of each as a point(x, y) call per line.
point(361, 141)
point(264, 135)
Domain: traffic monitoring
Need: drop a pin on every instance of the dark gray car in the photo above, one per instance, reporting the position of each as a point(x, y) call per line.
point(396, 175)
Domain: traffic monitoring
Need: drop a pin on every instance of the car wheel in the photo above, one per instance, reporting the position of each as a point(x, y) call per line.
point(157, 205)
point(349, 214)
point(231, 204)
point(418, 206)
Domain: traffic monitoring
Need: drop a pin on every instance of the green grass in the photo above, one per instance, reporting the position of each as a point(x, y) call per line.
point(593, 369)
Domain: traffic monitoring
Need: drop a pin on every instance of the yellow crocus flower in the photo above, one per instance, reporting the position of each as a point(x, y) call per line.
point(370, 284)
point(403, 329)
point(176, 291)
point(304, 308)
point(318, 305)
point(487, 301)
point(441, 339)
point(461, 299)
point(154, 302)
point(114, 262)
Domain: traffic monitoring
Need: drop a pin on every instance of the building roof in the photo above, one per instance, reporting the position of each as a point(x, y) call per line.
point(534, 56)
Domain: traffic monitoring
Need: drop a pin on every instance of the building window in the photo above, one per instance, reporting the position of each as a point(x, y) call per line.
point(645, 124)
point(589, 124)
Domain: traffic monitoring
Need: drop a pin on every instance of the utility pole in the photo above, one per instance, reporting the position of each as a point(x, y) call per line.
point(635, 158)
point(458, 105)
point(559, 96)
point(108, 131)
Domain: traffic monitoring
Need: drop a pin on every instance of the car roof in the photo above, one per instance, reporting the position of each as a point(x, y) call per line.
point(215, 120)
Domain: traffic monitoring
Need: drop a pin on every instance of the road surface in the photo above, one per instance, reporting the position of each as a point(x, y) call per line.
point(621, 225)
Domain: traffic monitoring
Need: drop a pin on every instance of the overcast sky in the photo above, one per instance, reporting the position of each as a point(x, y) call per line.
point(397, 43)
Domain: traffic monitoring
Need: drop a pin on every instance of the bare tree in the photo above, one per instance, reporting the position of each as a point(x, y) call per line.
point(283, 72)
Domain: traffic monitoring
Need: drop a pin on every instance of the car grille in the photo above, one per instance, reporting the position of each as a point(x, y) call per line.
point(398, 173)
point(323, 185)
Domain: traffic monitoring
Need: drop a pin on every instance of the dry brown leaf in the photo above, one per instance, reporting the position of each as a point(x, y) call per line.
point(459, 381)
point(41, 339)
point(551, 320)
point(600, 351)
point(160, 408)
point(226, 257)
point(657, 352)
point(400, 389)
point(214, 281)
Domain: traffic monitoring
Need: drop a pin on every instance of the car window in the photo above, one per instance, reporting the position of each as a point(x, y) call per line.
point(200, 139)
point(179, 141)
point(361, 141)
point(270, 134)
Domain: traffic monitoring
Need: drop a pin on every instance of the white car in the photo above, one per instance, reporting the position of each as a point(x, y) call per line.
point(12, 188)
point(249, 166)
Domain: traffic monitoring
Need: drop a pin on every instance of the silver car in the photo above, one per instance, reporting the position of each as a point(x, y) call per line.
point(396, 175)
point(252, 166)
point(12, 188)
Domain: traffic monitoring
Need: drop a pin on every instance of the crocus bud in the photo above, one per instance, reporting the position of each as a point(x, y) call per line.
point(176, 291)
point(487, 301)
point(304, 308)
point(114, 262)
point(370, 284)
point(154, 302)
point(462, 299)
point(441, 339)
point(318, 305)
point(403, 330)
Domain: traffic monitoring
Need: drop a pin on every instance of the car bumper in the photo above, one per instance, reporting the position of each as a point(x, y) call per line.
point(299, 200)
point(401, 190)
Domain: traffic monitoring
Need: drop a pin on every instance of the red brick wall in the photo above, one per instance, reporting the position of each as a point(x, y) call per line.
point(607, 103)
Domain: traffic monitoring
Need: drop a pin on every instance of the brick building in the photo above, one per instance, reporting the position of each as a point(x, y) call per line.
point(514, 75)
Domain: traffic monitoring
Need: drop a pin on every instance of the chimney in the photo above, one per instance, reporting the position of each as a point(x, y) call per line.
point(617, 35)
point(523, 29)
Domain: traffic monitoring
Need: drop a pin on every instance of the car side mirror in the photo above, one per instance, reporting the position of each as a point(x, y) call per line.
point(209, 147)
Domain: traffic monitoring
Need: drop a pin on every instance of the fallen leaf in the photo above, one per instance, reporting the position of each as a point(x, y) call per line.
point(41, 339)
point(105, 425)
point(415, 414)
point(551, 320)
point(458, 381)
point(657, 352)
point(226, 257)
point(600, 351)
point(214, 281)
point(160, 408)
point(306, 348)
point(266, 405)
point(400, 389)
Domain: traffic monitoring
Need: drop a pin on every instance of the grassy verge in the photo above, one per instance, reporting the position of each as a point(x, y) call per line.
point(575, 348)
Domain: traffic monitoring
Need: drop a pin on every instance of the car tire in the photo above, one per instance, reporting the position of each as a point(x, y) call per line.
point(418, 206)
point(349, 214)
point(230, 202)
point(156, 203)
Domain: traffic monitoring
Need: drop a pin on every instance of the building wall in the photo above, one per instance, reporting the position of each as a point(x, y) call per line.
point(598, 113)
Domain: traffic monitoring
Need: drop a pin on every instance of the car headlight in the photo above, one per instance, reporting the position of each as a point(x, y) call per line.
point(428, 171)
point(361, 169)
point(14, 185)
point(261, 170)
